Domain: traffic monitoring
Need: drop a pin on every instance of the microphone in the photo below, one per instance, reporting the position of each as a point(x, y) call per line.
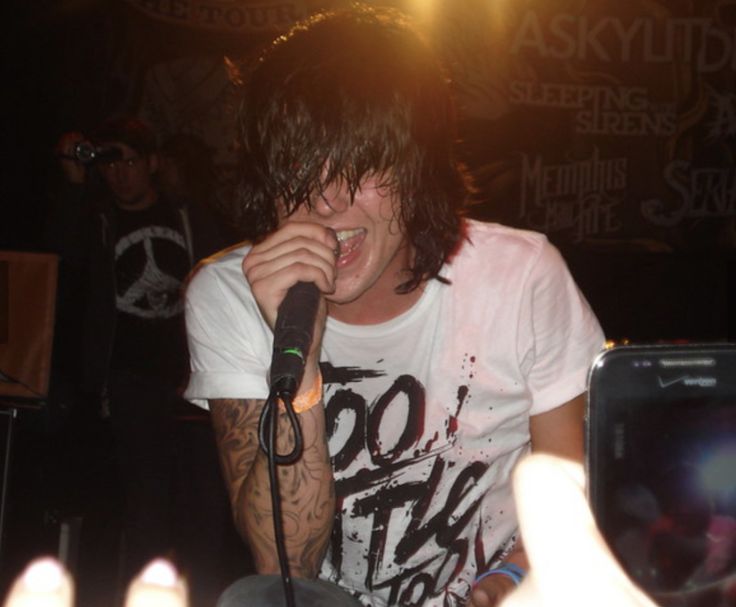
point(292, 337)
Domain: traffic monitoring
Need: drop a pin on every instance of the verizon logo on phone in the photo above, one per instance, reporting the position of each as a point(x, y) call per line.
point(688, 380)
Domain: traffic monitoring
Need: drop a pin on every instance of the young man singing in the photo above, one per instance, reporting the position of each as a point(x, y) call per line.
point(443, 349)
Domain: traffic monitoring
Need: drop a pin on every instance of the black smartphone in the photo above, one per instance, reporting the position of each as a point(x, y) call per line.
point(661, 467)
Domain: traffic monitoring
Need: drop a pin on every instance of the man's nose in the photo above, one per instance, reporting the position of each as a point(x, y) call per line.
point(118, 173)
point(329, 202)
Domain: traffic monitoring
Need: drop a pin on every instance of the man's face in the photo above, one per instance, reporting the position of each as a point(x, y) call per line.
point(374, 251)
point(130, 178)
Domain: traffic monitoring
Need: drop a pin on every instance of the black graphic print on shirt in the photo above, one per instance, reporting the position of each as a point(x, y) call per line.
point(151, 263)
point(408, 502)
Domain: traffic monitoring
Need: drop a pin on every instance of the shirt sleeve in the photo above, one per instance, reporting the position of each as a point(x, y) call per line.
point(561, 335)
point(229, 343)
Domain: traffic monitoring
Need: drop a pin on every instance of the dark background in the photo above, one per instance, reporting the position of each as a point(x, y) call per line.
point(70, 64)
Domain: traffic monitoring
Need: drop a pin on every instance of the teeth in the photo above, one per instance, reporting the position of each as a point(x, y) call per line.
point(344, 235)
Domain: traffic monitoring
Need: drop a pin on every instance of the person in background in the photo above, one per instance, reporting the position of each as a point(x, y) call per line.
point(444, 348)
point(134, 247)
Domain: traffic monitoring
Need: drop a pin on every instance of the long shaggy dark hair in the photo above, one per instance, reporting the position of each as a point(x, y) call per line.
point(343, 96)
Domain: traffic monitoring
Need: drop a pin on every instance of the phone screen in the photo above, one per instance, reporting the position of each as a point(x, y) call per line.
point(665, 496)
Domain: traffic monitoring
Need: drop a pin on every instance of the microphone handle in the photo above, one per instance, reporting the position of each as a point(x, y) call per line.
point(292, 336)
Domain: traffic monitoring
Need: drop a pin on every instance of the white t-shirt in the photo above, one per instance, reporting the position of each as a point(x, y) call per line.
point(427, 413)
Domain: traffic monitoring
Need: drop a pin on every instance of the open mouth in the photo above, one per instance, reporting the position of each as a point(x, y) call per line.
point(348, 242)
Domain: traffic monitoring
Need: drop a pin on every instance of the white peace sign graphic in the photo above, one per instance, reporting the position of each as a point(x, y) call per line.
point(160, 291)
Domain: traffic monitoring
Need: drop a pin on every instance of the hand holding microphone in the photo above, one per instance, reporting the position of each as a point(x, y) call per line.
point(74, 171)
point(279, 270)
point(296, 312)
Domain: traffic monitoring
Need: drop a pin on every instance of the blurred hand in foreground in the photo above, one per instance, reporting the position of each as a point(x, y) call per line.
point(45, 583)
point(570, 562)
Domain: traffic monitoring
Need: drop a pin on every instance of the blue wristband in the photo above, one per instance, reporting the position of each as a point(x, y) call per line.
point(511, 571)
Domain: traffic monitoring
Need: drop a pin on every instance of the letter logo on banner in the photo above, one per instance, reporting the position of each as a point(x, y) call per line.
point(700, 193)
point(615, 122)
point(232, 15)
point(699, 41)
point(580, 196)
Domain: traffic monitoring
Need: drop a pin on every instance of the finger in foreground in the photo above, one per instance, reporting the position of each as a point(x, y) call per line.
point(158, 585)
point(43, 583)
point(570, 561)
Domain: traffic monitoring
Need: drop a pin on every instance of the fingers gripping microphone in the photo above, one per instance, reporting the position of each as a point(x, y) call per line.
point(292, 337)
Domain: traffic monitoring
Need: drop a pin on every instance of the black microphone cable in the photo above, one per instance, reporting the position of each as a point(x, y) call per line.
point(267, 432)
point(292, 340)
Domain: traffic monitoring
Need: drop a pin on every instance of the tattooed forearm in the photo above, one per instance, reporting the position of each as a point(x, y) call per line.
point(236, 431)
point(306, 487)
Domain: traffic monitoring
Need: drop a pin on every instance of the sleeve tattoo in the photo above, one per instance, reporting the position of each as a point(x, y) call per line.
point(306, 487)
